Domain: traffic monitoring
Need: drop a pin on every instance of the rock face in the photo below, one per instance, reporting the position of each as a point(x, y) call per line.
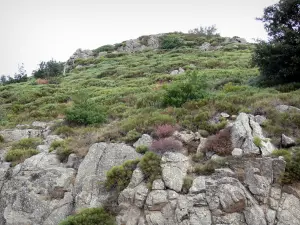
point(140, 44)
point(78, 54)
point(244, 132)
point(89, 188)
point(255, 198)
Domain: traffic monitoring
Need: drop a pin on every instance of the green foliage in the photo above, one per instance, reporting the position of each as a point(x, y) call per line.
point(105, 48)
point(132, 136)
point(142, 149)
point(283, 152)
point(208, 167)
point(279, 59)
point(19, 155)
point(257, 141)
point(187, 184)
point(62, 149)
point(179, 92)
point(92, 216)
point(209, 31)
point(198, 157)
point(292, 170)
point(49, 69)
point(170, 41)
point(118, 177)
point(150, 165)
point(64, 130)
point(27, 143)
point(85, 112)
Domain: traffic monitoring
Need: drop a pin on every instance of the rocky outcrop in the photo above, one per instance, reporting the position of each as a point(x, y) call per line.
point(245, 132)
point(89, 183)
point(140, 44)
point(78, 54)
point(145, 140)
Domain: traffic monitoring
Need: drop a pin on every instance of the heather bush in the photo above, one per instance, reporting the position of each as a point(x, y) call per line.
point(219, 143)
point(27, 143)
point(208, 167)
point(118, 177)
point(198, 157)
point(166, 145)
point(19, 155)
point(165, 130)
point(91, 216)
point(150, 165)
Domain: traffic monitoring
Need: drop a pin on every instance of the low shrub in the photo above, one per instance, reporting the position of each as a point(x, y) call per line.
point(1, 139)
point(19, 155)
point(62, 149)
point(92, 216)
point(283, 152)
point(219, 143)
point(187, 184)
point(257, 141)
point(170, 41)
point(165, 130)
point(64, 130)
point(132, 136)
point(292, 170)
point(150, 165)
point(142, 149)
point(27, 143)
point(118, 177)
point(166, 145)
point(208, 168)
point(198, 157)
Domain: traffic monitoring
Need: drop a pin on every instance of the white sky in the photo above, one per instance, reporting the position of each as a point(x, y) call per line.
point(38, 30)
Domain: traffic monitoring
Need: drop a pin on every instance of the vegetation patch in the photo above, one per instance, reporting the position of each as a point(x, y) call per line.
point(163, 145)
point(142, 149)
point(92, 216)
point(61, 148)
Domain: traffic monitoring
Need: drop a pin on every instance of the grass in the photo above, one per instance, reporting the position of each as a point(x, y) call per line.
point(62, 149)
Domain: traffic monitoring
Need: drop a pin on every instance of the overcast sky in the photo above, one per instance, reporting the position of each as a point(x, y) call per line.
point(38, 30)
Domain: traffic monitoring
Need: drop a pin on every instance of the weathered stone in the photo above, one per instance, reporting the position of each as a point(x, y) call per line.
point(174, 169)
point(232, 198)
point(255, 215)
point(231, 218)
point(73, 161)
point(205, 46)
point(43, 148)
point(289, 210)
point(39, 124)
point(89, 187)
point(158, 185)
point(287, 142)
point(201, 145)
point(156, 200)
point(140, 196)
point(260, 119)
point(237, 152)
point(136, 178)
point(287, 108)
point(184, 136)
point(155, 218)
point(198, 185)
point(17, 134)
point(129, 217)
point(225, 115)
point(145, 140)
point(216, 157)
point(200, 216)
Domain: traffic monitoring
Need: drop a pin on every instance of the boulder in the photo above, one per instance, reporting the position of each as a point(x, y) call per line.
point(243, 133)
point(145, 140)
point(205, 46)
point(260, 119)
point(287, 108)
point(237, 152)
point(198, 185)
point(287, 142)
point(89, 183)
point(18, 134)
point(174, 169)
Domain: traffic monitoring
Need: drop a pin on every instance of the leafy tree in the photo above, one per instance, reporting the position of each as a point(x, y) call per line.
point(279, 58)
point(48, 69)
point(3, 79)
point(20, 76)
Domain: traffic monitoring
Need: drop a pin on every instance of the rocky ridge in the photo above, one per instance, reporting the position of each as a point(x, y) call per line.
point(42, 190)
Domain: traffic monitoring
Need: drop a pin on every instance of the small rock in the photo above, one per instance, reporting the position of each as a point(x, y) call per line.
point(145, 140)
point(237, 152)
point(260, 119)
point(185, 136)
point(39, 124)
point(216, 157)
point(287, 142)
point(198, 185)
point(225, 115)
point(158, 185)
point(174, 72)
point(181, 70)
point(205, 46)
point(73, 161)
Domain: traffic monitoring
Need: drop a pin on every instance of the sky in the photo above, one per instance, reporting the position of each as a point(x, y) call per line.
point(32, 31)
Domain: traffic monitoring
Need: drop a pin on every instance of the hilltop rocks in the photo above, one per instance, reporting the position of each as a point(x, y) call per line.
point(140, 44)
point(78, 54)
point(176, 72)
point(244, 132)
point(90, 191)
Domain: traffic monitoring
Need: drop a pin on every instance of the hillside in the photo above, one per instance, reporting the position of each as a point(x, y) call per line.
point(195, 101)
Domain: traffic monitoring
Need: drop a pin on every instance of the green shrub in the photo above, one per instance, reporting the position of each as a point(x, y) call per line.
point(27, 143)
point(92, 216)
point(257, 141)
point(1, 139)
point(132, 136)
point(170, 41)
point(105, 48)
point(150, 165)
point(142, 149)
point(64, 130)
point(85, 112)
point(198, 157)
point(118, 177)
point(283, 152)
point(187, 184)
point(62, 149)
point(209, 167)
point(179, 92)
point(19, 155)
point(292, 170)
point(48, 69)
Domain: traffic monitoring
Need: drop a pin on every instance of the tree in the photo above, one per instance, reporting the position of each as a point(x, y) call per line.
point(279, 58)
point(3, 79)
point(48, 69)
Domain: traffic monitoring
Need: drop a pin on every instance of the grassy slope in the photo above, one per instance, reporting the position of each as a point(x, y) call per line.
point(129, 86)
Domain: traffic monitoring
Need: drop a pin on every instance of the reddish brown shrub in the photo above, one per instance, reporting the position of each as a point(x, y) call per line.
point(166, 145)
point(219, 143)
point(165, 130)
point(42, 81)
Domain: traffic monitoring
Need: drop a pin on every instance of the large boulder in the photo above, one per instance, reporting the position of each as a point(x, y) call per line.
point(38, 191)
point(89, 183)
point(245, 130)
